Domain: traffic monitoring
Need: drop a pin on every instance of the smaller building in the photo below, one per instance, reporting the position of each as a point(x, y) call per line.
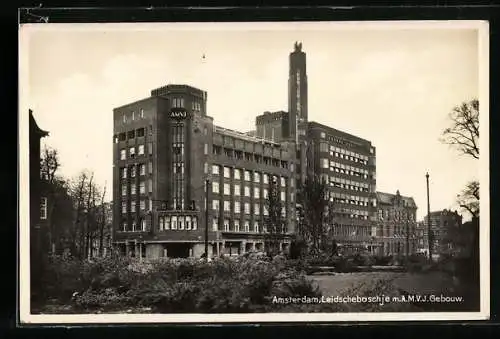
point(445, 227)
point(396, 224)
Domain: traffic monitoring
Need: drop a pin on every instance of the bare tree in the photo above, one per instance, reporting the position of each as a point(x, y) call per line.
point(468, 199)
point(464, 131)
point(102, 222)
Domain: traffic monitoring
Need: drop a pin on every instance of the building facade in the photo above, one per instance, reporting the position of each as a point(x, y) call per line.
point(176, 172)
point(347, 164)
point(396, 226)
point(445, 228)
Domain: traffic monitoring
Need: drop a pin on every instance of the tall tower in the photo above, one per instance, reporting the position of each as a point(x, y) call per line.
point(297, 93)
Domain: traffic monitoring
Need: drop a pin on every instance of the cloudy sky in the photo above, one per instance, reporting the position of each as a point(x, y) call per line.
point(392, 85)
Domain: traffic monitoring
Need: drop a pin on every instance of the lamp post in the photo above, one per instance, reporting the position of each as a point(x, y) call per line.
point(429, 236)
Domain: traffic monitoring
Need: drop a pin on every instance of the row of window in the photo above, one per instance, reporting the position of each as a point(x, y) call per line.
point(237, 208)
point(352, 231)
point(137, 189)
point(395, 215)
point(349, 184)
point(133, 169)
point(240, 155)
point(132, 134)
point(229, 225)
point(134, 115)
point(344, 153)
point(179, 103)
point(133, 207)
point(256, 177)
point(132, 151)
point(246, 191)
point(177, 222)
point(134, 227)
point(346, 169)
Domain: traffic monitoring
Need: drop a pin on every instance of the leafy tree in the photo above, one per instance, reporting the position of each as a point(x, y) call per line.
point(274, 221)
point(317, 212)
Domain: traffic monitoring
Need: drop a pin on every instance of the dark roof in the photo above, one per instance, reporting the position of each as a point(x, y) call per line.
point(388, 198)
point(34, 126)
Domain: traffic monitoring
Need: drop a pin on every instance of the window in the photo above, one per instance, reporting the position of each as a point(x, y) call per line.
point(247, 175)
point(141, 149)
point(173, 223)
point(132, 206)
point(124, 207)
point(188, 223)
point(150, 167)
point(266, 210)
point(205, 149)
point(283, 182)
point(124, 118)
point(246, 226)
point(124, 173)
point(150, 185)
point(236, 207)
point(215, 169)
point(283, 196)
point(142, 187)
point(236, 225)
point(215, 187)
point(132, 171)
point(237, 190)
point(124, 190)
point(133, 115)
point(205, 168)
point(195, 223)
point(226, 225)
point(247, 191)
point(227, 206)
point(123, 154)
point(142, 113)
point(133, 188)
point(227, 189)
point(215, 224)
point(266, 179)
point(256, 177)
point(256, 209)
point(256, 227)
point(227, 172)
point(324, 163)
point(256, 193)
point(265, 193)
point(181, 223)
point(215, 205)
point(323, 135)
point(237, 174)
point(43, 208)
point(247, 208)
point(143, 205)
point(142, 169)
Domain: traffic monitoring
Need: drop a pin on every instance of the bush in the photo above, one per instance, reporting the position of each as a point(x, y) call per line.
point(173, 286)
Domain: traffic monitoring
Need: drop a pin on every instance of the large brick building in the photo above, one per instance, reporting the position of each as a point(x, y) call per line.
point(445, 227)
point(396, 226)
point(166, 147)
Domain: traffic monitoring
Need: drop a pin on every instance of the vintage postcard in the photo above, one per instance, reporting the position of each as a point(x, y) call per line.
point(253, 172)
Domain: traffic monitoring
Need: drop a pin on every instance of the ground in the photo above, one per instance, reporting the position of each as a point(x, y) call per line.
point(418, 283)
